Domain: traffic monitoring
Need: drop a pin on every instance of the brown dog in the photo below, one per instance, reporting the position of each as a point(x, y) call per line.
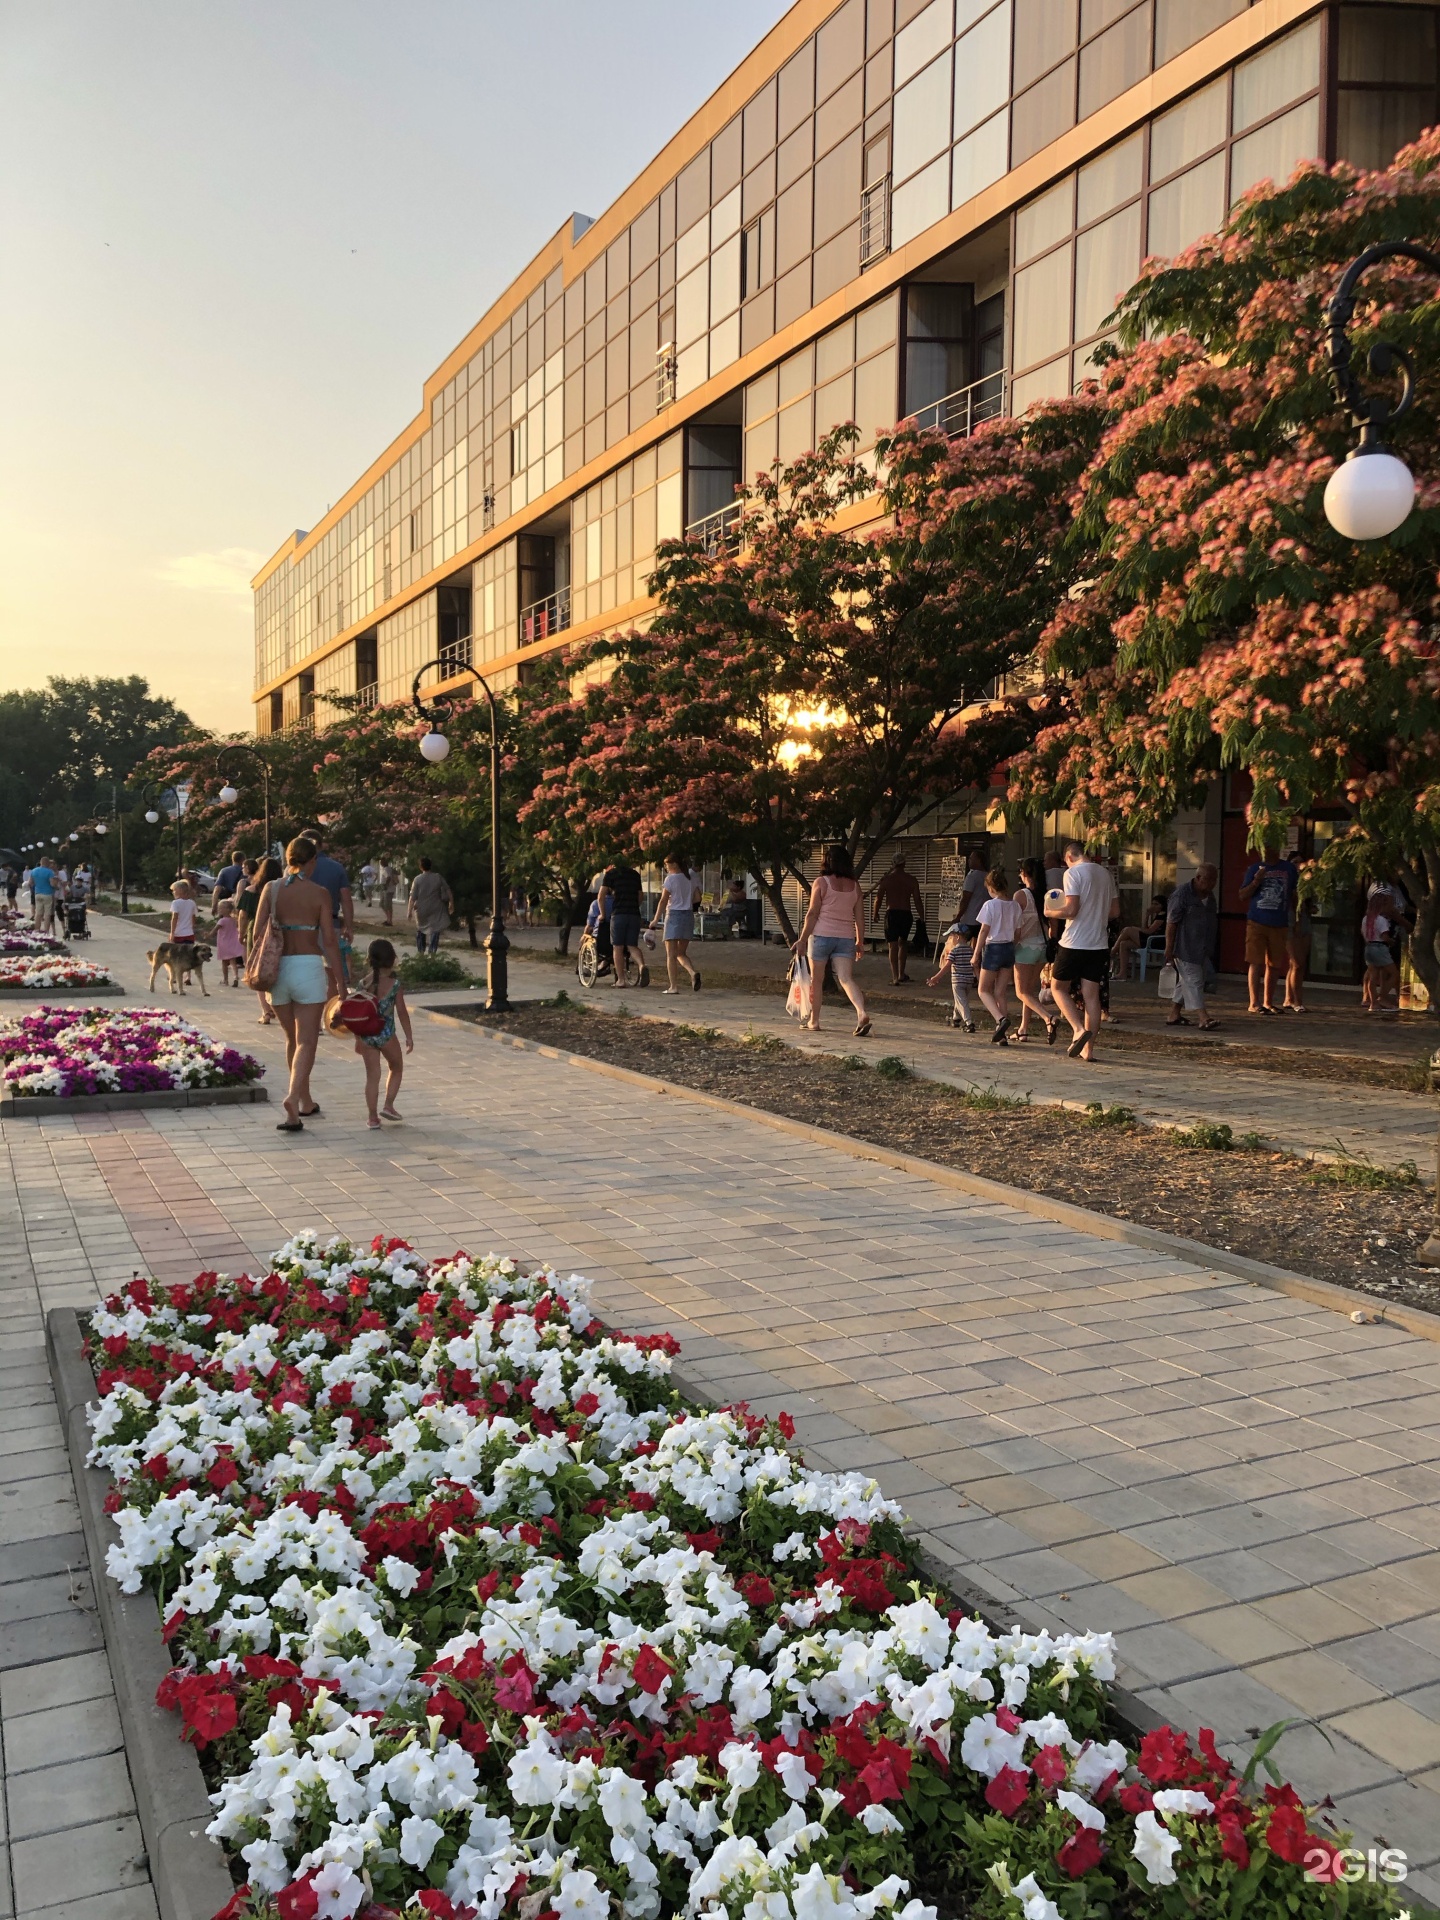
point(180, 958)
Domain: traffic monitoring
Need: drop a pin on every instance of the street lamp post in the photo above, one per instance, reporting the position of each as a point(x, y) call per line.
point(1369, 496)
point(152, 814)
point(434, 747)
point(230, 793)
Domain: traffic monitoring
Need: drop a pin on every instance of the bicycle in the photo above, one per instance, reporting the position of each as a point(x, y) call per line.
point(591, 965)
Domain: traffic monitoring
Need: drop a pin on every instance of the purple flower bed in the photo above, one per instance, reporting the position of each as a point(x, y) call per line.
point(66, 1051)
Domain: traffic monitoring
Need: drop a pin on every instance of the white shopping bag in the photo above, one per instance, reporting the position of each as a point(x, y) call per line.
point(797, 1000)
point(1165, 982)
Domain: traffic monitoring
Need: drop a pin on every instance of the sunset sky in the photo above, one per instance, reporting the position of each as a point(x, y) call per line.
point(235, 239)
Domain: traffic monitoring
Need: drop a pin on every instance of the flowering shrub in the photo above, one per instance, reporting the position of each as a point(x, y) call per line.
point(23, 940)
point(73, 1050)
point(471, 1617)
point(53, 970)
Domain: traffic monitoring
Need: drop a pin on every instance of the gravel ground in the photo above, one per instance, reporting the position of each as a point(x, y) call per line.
point(1266, 1206)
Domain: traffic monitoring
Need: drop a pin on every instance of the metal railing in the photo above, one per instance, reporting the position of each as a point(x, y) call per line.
point(958, 414)
point(874, 222)
point(368, 696)
point(667, 377)
point(717, 532)
point(544, 617)
point(454, 655)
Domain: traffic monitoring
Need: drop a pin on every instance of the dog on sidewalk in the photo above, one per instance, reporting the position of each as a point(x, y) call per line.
point(180, 958)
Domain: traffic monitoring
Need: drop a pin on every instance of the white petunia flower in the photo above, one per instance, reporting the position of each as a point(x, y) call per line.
point(1155, 1849)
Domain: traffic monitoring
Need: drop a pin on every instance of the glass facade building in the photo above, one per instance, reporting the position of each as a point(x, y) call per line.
point(890, 207)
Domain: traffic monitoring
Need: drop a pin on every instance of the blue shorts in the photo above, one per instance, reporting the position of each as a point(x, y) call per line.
point(830, 946)
point(301, 982)
point(625, 929)
point(997, 955)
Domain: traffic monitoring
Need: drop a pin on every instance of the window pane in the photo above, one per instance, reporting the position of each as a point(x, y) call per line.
point(762, 396)
point(1188, 207)
point(979, 160)
point(841, 112)
point(876, 402)
point(1116, 61)
point(1044, 31)
point(1276, 77)
point(1098, 14)
point(922, 120)
point(1394, 44)
point(797, 375)
point(923, 39)
point(1274, 152)
point(1372, 127)
point(835, 351)
point(921, 201)
point(1043, 114)
point(840, 47)
point(1042, 308)
point(796, 431)
point(1187, 131)
point(875, 327)
point(837, 188)
point(982, 70)
point(1046, 383)
point(834, 404)
point(797, 88)
point(1107, 259)
point(1110, 180)
point(1045, 220)
point(1180, 23)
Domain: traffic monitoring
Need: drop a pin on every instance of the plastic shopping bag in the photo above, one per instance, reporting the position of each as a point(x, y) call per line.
point(797, 1000)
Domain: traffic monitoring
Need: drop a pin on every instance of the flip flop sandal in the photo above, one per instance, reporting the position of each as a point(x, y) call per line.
point(1078, 1044)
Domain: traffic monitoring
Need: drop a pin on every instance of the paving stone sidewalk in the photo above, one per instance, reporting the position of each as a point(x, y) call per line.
point(1242, 1486)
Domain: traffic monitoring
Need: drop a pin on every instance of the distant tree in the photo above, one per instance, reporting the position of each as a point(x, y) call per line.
point(68, 748)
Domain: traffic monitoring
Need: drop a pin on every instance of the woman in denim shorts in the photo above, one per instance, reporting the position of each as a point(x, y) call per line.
point(834, 930)
point(677, 910)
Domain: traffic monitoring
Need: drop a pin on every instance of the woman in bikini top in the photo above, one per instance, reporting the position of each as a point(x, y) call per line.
point(310, 971)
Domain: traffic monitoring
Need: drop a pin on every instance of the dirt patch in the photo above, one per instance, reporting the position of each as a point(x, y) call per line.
point(1265, 1206)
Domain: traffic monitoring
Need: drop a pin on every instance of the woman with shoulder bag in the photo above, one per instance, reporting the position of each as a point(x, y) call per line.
point(295, 959)
point(258, 875)
point(1031, 949)
point(834, 930)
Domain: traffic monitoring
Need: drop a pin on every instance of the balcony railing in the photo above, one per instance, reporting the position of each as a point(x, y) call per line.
point(544, 617)
point(718, 532)
point(874, 222)
point(368, 696)
point(455, 655)
point(958, 414)
point(667, 377)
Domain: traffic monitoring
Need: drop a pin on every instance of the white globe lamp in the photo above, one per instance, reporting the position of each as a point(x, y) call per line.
point(434, 747)
point(229, 795)
point(152, 817)
point(1369, 495)
point(74, 836)
point(100, 827)
point(54, 839)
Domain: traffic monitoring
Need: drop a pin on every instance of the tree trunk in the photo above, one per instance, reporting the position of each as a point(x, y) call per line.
point(470, 928)
point(572, 914)
point(774, 892)
point(1422, 947)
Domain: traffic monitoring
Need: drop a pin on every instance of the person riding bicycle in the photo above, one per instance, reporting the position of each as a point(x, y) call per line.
point(598, 929)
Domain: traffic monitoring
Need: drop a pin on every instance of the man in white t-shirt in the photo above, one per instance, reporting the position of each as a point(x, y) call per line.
point(1084, 956)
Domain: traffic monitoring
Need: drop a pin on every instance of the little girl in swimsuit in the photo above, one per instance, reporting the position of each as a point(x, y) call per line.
point(375, 1047)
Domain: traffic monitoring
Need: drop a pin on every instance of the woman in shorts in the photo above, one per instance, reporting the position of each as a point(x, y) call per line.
point(310, 970)
point(994, 957)
point(677, 912)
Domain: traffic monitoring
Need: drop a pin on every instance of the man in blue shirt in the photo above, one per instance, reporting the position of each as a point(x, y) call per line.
point(42, 895)
point(332, 876)
point(1268, 895)
point(228, 878)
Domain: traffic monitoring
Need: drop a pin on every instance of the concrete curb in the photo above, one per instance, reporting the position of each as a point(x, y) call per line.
point(1101, 1226)
point(20, 1105)
point(188, 1871)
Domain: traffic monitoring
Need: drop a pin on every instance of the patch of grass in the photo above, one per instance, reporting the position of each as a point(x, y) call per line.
point(893, 1068)
point(706, 1035)
point(563, 1003)
point(1212, 1136)
point(851, 1063)
point(762, 1042)
point(1097, 1114)
point(1419, 1077)
point(624, 1012)
point(991, 1100)
point(431, 970)
point(1364, 1174)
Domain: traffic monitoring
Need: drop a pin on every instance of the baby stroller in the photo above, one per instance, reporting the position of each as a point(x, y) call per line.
point(77, 927)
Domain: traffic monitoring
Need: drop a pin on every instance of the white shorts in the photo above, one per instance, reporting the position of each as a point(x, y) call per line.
point(302, 982)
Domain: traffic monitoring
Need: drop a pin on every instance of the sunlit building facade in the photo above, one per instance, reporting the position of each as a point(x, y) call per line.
point(891, 207)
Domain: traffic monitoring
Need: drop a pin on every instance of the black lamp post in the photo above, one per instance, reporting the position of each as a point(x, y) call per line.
point(1371, 494)
point(152, 814)
point(230, 793)
point(434, 747)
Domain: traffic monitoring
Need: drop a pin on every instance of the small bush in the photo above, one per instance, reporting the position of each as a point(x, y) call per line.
point(893, 1068)
point(762, 1042)
point(707, 1036)
point(852, 1063)
point(1364, 1173)
point(1214, 1136)
point(1097, 1114)
point(431, 970)
point(1420, 1073)
point(990, 1100)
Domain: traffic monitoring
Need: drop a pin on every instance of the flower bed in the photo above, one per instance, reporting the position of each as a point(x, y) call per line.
point(471, 1617)
point(69, 1051)
point(52, 971)
point(25, 940)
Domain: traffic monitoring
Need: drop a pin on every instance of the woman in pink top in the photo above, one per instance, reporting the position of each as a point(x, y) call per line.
point(834, 930)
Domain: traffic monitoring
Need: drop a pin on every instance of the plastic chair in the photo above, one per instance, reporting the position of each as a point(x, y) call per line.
point(1151, 949)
